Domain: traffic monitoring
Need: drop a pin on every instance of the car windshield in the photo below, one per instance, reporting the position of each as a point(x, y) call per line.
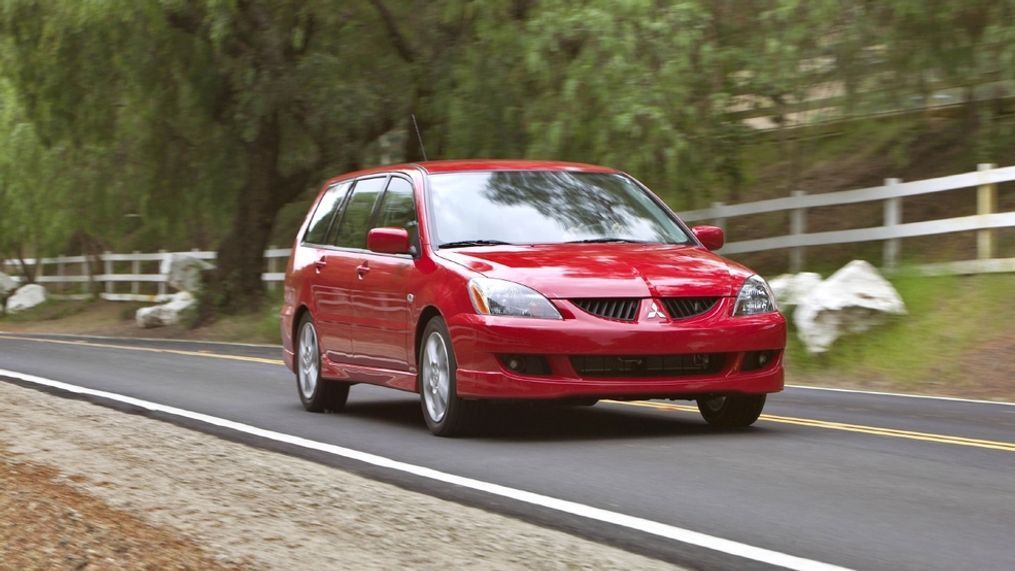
point(545, 207)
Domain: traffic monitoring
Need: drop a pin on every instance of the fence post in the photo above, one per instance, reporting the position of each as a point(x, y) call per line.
point(86, 272)
point(272, 261)
point(986, 203)
point(892, 217)
point(162, 282)
point(108, 270)
point(135, 268)
point(797, 226)
point(59, 272)
point(719, 220)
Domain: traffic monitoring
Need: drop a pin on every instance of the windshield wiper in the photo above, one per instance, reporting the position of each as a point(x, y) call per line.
point(469, 243)
point(606, 240)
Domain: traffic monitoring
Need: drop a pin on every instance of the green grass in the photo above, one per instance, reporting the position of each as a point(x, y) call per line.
point(947, 318)
point(268, 324)
point(49, 310)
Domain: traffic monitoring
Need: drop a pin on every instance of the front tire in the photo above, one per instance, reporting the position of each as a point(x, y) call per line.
point(738, 411)
point(444, 412)
point(316, 393)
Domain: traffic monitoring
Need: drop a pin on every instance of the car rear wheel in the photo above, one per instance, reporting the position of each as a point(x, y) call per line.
point(316, 393)
point(731, 411)
point(444, 412)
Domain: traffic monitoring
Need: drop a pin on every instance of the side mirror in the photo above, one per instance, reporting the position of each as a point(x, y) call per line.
point(712, 237)
point(389, 241)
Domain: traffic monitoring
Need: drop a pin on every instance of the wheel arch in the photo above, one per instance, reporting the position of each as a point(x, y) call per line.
point(428, 313)
point(297, 317)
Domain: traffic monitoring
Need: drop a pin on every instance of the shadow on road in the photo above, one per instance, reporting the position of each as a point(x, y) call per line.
point(548, 423)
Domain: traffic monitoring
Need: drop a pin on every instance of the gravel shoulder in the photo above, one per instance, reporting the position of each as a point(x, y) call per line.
point(84, 486)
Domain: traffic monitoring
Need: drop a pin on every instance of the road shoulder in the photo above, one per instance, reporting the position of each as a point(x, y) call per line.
point(242, 504)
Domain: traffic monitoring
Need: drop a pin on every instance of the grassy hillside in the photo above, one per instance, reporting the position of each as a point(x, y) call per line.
point(958, 338)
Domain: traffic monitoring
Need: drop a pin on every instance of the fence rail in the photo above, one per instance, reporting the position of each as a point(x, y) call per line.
point(985, 222)
point(78, 270)
point(71, 270)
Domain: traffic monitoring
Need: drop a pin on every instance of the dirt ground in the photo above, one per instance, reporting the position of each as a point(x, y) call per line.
point(87, 487)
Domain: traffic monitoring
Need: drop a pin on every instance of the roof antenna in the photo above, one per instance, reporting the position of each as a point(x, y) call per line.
point(419, 136)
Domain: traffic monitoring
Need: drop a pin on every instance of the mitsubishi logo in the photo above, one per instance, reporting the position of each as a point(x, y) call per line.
point(654, 312)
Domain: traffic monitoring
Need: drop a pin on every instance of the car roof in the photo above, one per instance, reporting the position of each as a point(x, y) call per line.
point(508, 165)
point(450, 166)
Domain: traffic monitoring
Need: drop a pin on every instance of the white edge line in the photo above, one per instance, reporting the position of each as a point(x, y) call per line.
point(903, 395)
point(636, 523)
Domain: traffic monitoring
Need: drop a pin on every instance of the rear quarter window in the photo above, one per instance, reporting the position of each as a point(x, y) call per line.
point(327, 208)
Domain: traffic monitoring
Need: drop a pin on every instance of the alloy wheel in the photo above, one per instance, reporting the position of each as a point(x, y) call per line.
point(309, 360)
point(435, 380)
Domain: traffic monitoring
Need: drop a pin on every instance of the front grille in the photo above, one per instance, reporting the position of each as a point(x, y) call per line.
point(621, 309)
point(684, 307)
point(648, 365)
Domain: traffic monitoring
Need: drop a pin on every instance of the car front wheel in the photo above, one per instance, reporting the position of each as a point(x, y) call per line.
point(731, 411)
point(444, 412)
point(316, 393)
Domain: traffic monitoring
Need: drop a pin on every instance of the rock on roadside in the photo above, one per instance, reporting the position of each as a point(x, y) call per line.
point(789, 289)
point(165, 314)
point(183, 271)
point(852, 300)
point(7, 284)
point(26, 297)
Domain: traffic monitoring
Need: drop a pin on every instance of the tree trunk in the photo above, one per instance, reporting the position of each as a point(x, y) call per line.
point(237, 285)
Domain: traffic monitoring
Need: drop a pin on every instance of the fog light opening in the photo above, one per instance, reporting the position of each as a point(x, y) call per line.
point(757, 360)
point(525, 364)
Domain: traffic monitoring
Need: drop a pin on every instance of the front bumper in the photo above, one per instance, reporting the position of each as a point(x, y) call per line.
point(479, 339)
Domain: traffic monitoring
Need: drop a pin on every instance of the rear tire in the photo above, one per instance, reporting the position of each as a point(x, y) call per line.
point(316, 393)
point(444, 412)
point(737, 411)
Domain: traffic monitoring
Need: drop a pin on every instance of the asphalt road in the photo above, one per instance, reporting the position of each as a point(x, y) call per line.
point(857, 480)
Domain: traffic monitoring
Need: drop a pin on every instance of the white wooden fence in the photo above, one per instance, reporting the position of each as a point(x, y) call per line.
point(137, 272)
point(984, 222)
point(138, 277)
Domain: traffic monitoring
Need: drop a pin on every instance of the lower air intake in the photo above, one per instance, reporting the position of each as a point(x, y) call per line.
point(648, 365)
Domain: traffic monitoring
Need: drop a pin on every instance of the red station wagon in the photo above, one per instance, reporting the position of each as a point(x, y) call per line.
point(485, 280)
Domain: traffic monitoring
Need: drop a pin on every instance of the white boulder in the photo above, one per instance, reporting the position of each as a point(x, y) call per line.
point(183, 271)
point(790, 289)
point(165, 314)
point(26, 297)
point(7, 284)
point(852, 300)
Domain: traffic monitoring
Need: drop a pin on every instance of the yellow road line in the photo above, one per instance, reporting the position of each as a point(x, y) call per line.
point(201, 353)
point(874, 430)
point(809, 422)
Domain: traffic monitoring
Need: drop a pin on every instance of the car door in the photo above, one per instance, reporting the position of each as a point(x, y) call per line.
point(323, 282)
point(381, 319)
point(337, 268)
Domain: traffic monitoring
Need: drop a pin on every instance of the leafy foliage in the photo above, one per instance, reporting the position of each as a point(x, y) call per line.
point(192, 123)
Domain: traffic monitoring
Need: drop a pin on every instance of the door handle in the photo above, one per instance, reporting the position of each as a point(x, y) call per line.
point(319, 263)
point(362, 270)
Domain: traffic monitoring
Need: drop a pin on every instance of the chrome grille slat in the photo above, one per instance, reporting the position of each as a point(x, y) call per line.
point(684, 307)
point(618, 309)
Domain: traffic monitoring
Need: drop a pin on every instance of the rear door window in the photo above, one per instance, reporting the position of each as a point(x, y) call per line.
point(355, 219)
point(317, 230)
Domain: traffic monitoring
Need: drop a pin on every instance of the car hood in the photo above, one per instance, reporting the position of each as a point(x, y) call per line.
point(606, 270)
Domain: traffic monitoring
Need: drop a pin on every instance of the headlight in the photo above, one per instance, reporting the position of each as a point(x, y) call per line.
point(501, 297)
point(755, 297)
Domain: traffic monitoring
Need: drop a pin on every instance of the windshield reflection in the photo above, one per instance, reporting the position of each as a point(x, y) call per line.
point(546, 207)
